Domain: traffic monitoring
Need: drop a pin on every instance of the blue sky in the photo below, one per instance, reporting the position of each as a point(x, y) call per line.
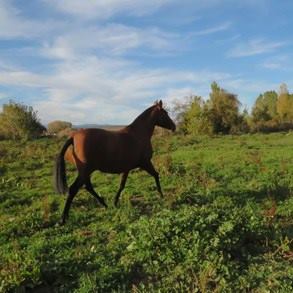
point(105, 61)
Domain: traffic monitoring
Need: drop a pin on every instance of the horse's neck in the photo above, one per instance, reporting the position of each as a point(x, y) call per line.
point(143, 125)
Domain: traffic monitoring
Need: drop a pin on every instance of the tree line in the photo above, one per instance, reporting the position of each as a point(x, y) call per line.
point(220, 114)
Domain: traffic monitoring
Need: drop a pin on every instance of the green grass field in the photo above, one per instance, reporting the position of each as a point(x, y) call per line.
point(225, 224)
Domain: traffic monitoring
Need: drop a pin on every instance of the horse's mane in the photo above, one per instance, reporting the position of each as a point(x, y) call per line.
point(142, 116)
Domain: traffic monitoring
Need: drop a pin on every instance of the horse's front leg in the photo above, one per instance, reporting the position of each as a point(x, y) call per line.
point(148, 166)
point(122, 185)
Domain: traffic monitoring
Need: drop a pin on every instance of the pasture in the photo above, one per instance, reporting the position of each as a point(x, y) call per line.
point(224, 225)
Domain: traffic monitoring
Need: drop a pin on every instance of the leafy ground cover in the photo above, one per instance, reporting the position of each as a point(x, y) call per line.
point(225, 224)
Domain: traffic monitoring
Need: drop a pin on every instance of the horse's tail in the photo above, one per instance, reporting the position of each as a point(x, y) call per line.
point(60, 181)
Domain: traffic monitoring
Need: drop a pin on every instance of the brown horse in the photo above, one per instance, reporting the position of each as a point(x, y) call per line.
point(111, 152)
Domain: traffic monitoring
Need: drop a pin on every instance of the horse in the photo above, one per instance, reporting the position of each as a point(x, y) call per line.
point(116, 152)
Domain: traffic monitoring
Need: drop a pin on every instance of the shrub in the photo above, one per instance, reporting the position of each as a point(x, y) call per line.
point(66, 132)
point(18, 121)
point(271, 126)
point(55, 127)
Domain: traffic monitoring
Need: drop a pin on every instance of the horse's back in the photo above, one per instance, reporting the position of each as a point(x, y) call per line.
point(90, 141)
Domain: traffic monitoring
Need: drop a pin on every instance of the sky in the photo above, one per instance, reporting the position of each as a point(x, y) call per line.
point(105, 61)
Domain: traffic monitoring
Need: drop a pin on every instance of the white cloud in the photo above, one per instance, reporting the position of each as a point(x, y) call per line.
point(103, 9)
point(272, 65)
point(174, 95)
point(254, 47)
point(111, 39)
point(115, 91)
point(20, 78)
point(249, 87)
point(222, 27)
point(14, 25)
point(3, 95)
point(93, 89)
point(282, 62)
point(87, 111)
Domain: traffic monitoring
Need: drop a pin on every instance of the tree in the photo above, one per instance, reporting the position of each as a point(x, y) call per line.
point(196, 117)
point(55, 127)
point(223, 110)
point(283, 89)
point(18, 121)
point(179, 110)
point(219, 114)
point(192, 116)
point(265, 107)
point(272, 111)
point(285, 105)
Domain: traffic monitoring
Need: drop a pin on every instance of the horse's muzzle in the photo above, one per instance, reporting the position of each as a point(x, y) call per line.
point(173, 128)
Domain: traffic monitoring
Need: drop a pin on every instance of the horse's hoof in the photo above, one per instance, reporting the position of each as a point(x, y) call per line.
point(61, 222)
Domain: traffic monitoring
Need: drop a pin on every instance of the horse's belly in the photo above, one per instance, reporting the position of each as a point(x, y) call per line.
point(109, 165)
point(112, 170)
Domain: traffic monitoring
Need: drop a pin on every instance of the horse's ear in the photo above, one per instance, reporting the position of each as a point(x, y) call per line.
point(160, 104)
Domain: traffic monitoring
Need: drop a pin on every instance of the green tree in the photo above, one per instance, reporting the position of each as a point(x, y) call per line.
point(285, 105)
point(265, 107)
point(223, 110)
point(195, 119)
point(18, 121)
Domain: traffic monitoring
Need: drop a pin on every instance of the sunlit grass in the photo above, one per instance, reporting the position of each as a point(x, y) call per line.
point(225, 223)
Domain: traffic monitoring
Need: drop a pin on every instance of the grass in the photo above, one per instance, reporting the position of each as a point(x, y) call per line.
point(225, 224)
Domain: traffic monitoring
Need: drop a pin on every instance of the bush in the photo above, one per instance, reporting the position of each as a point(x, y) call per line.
point(18, 121)
point(65, 132)
point(55, 127)
point(271, 126)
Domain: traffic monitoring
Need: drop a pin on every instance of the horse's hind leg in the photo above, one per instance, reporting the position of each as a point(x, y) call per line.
point(72, 192)
point(148, 166)
point(122, 185)
point(90, 189)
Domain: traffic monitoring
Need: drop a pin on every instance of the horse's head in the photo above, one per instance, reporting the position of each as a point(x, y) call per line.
point(162, 118)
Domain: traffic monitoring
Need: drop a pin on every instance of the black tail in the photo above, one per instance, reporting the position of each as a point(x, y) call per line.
point(60, 171)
